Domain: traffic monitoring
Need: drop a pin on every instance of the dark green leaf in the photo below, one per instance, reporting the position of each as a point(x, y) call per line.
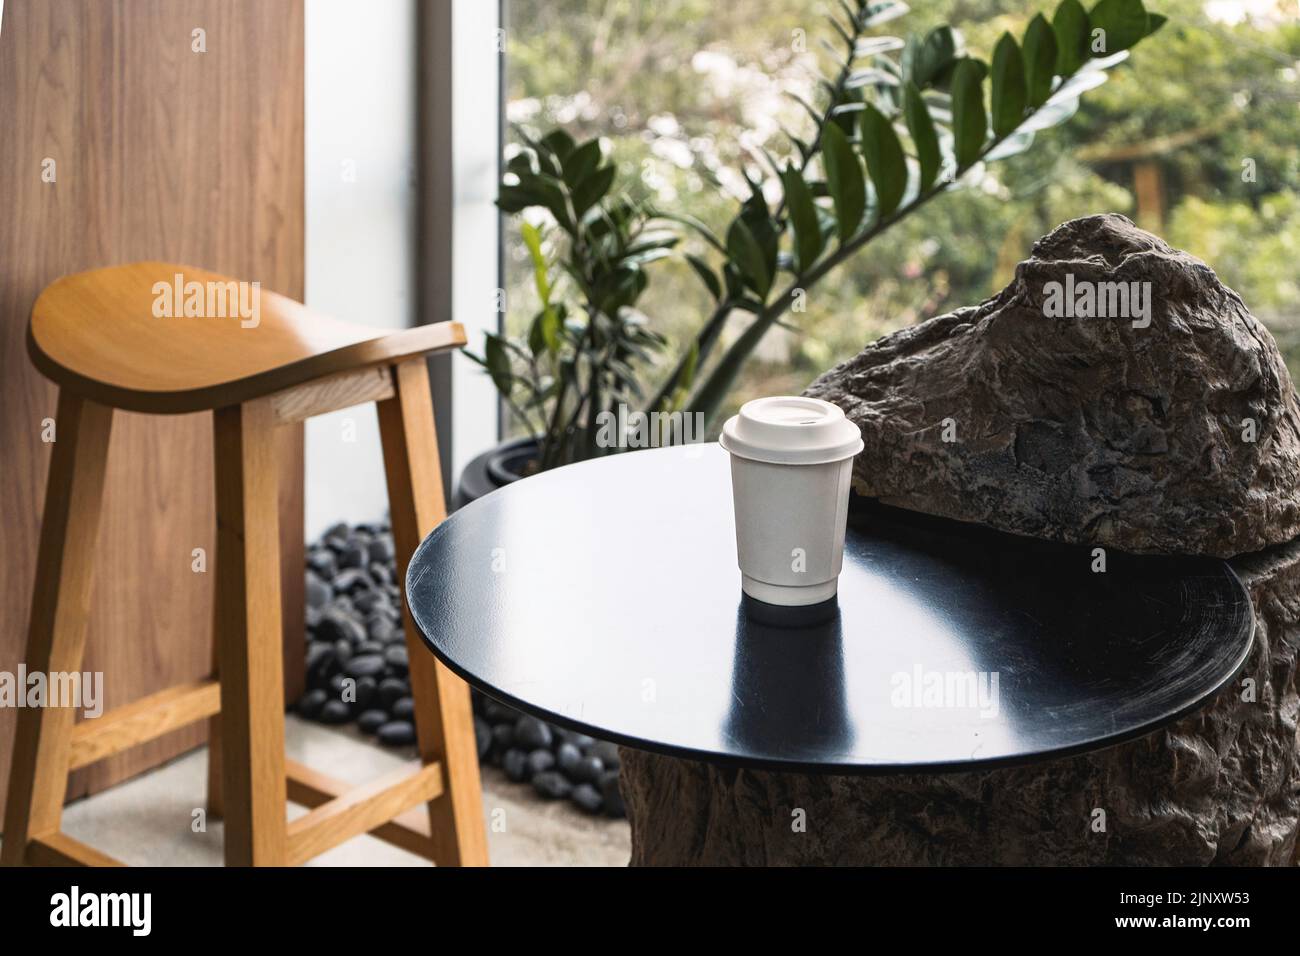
point(969, 122)
point(558, 142)
point(885, 162)
point(522, 163)
point(590, 190)
point(498, 363)
point(1155, 21)
point(1040, 61)
point(844, 180)
point(580, 163)
point(746, 253)
point(921, 128)
point(1008, 98)
point(1124, 23)
point(803, 217)
point(1070, 24)
point(534, 191)
point(935, 54)
point(707, 275)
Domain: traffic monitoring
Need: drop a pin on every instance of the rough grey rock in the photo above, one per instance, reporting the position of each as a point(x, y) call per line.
point(1086, 430)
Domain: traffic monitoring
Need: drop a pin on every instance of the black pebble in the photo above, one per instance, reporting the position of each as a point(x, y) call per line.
point(370, 721)
point(607, 752)
point(367, 691)
point(567, 756)
point(587, 770)
point(587, 797)
point(515, 764)
point(531, 733)
point(336, 626)
point(396, 733)
point(352, 556)
point(503, 737)
point(391, 689)
point(364, 665)
point(403, 708)
point(310, 703)
point(395, 656)
point(497, 712)
point(482, 737)
point(552, 784)
point(321, 662)
point(380, 628)
point(539, 761)
point(318, 592)
point(614, 805)
point(381, 550)
point(367, 601)
point(370, 647)
point(335, 712)
point(353, 579)
point(323, 562)
point(342, 650)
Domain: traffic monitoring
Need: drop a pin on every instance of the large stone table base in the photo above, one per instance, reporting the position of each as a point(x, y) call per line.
point(1219, 787)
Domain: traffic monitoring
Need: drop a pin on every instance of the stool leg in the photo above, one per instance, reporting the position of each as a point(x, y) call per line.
point(215, 805)
point(248, 636)
point(443, 720)
point(38, 775)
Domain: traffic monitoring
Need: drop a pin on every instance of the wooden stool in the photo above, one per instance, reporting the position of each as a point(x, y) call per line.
point(129, 337)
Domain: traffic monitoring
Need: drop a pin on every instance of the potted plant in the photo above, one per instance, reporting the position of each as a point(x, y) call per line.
point(901, 122)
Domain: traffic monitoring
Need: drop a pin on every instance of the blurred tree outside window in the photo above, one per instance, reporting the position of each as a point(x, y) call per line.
point(1204, 150)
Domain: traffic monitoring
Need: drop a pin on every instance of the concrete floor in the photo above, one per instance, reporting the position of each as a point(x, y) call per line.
point(149, 820)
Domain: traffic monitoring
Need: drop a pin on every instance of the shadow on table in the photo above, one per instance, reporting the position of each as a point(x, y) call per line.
point(788, 689)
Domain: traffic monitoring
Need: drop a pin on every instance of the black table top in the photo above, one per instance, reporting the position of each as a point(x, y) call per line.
point(605, 597)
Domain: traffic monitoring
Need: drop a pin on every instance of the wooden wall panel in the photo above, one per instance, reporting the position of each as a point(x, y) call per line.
point(162, 153)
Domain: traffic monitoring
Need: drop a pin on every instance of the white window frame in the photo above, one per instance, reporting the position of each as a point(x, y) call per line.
point(461, 61)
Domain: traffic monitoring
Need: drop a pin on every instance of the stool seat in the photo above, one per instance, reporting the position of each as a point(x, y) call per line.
point(165, 338)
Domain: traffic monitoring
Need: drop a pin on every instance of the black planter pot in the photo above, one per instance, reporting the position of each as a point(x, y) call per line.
point(494, 469)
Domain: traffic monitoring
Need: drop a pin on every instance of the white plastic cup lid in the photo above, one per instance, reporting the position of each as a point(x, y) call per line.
point(791, 430)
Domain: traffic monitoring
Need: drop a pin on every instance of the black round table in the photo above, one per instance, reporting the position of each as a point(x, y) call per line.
point(605, 597)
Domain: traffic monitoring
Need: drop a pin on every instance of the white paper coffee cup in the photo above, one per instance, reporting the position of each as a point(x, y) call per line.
point(791, 463)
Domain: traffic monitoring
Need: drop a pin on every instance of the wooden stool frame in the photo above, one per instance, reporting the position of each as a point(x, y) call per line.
point(249, 779)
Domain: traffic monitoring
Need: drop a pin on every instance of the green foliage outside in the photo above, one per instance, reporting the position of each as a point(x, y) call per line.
point(687, 93)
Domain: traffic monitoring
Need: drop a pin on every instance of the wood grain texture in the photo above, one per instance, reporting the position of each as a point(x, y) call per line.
point(60, 611)
point(408, 830)
point(99, 334)
point(142, 720)
point(248, 626)
point(361, 809)
point(444, 723)
point(344, 390)
point(166, 154)
point(59, 849)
